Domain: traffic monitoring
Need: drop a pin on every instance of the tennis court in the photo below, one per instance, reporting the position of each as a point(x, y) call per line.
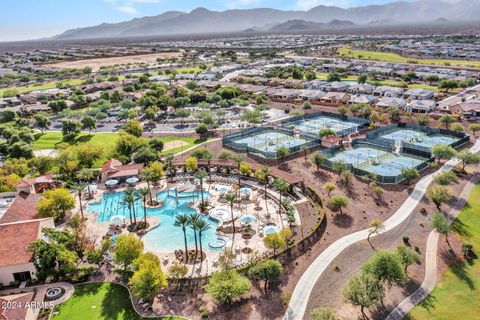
point(418, 138)
point(315, 124)
point(270, 141)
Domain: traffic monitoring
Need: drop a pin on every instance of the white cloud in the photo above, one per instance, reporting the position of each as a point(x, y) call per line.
point(128, 9)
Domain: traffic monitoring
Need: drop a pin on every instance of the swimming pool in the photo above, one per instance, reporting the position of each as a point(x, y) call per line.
point(166, 237)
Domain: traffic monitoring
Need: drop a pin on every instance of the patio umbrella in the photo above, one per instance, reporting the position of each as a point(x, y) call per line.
point(271, 229)
point(117, 219)
point(246, 190)
point(248, 218)
point(132, 180)
point(111, 183)
point(224, 189)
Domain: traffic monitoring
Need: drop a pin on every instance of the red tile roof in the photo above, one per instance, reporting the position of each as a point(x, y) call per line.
point(110, 164)
point(18, 300)
point(115, 169)
point(46, 178)
point(16, 237)
point(24, 207)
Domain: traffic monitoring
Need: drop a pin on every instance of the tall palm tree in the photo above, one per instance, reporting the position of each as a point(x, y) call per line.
point(231, 198)
point(192, 221)
point(182, 220)
point(200, 175)
point(169, 165)
point(147, 175)
point(282, 187)
point(128, 200)
point(79, 187)
point(130, 196)
point(238, 159)
point(86, 175)
point(202, 226)
point(144, 193)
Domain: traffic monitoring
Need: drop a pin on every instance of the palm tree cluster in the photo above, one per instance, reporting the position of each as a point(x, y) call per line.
point(131, 196)
point(198, 225)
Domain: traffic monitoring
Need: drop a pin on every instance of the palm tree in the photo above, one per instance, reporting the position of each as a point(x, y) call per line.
point(200, 175)
point(144, 193)
point(147, 175)
point(182, 220)
point(86, 175)
point(79, 187)
point(375, 227)
point(128, 200)
point(192, 221)
point(169, 165)
point(231, 198)
point(282, 186)
point(202, 226)
point(238, 161)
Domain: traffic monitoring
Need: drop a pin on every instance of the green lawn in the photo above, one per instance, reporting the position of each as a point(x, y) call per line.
point(393, 83)
point(393, 57)
point(49, 140)
point(457, 294)
point(100, 301)
point(43, 86)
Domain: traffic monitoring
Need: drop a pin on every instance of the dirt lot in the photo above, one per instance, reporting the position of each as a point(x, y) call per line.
point(96, 63)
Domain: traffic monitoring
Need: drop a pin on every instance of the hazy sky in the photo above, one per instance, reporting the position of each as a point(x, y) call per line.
point(31, 19)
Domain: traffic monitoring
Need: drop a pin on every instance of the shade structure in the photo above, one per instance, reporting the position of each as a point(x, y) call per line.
point(132, 180)
point(111, 183)
point(246, 190)
point(248, 218)
point(117, 219)
point(271, 229)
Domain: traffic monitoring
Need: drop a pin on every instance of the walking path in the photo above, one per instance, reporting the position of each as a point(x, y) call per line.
point(299, 300)
point(430, 279)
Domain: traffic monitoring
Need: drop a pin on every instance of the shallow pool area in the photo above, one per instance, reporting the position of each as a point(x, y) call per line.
point(166, 237)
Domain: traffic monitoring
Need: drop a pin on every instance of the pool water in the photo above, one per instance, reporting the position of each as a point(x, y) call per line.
point(166, 237)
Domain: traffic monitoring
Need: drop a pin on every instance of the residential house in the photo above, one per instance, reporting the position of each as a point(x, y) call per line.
point(362, 98)
point(421, 106)
point(388, 102)
point(335, 98)
point(388, 91)
point(419, 94)
point(361, 89)
point(470, 110)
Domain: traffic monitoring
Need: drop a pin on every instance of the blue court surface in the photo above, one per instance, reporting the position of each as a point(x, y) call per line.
point(418, 138)
point(270, 141)
point(377, 161)
point(314, 125)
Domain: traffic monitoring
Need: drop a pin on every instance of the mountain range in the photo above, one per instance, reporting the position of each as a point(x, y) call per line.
point(202, 21)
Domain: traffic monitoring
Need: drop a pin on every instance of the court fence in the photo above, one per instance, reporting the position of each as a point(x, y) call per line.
point(231, 141)
point(360, 122)
point(360, 171)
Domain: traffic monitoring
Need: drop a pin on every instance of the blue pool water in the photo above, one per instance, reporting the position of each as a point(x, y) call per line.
point(166, 237)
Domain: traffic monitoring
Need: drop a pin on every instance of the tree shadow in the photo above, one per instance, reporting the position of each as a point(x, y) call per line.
point(342, 220)
point(460, 270)
point(460, 228)
point(116, 303)
point(83, 139)
point(428, 303)
point(88, 289)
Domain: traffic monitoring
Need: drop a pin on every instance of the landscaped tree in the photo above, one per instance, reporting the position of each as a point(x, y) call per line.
point(376, 226)
point(200, 175)
point(87, 154)
point(468, 158)
point(78, 188)
point(191, 164)
point(238, 159)
point(407, 256)
point(147, 175)
point(446, 120)
point(275, 242)
point(327, 132)
point(42, 121)
point(339, 167)
point(193, 220)
point(127, 249)
point(282, 152)
point(323, 314)
point(447, 85)
point(318, 159)
point(445, 178)
point(70, 128)
point(55, 203)
point(201, 129)
point(346, 178)
point(442, 151)
point(268, 271)
point(202, 226)
point(439, 195)
point(457, 127)
point(203, 154)
point(134, 128)
point(182, 220)
point(329, 187)
point(157, 172)
point(441, 225)
point(148, 278)
point(423, 121)
point(362, 78)
point(176, 272)
point(363, 290)
point(386, 267)
point(231, 199)
point(338, 203)
point(410, 174)
point(282, 187)
point(263, 175)
point(225, 286)
point(144, 193)
point(88, 123)
point(474, 128)
point(376, 190)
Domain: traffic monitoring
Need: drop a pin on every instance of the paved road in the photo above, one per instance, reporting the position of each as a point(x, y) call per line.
point(430, 279)
point(299, 300)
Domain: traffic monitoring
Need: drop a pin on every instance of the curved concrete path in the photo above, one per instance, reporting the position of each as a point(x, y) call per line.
point(430, 279)
point(300, 296)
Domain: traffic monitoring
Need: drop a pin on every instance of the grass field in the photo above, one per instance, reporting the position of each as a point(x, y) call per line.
point(50, 140)
point(393, 83)
point(43, 86)
point(393, 57)
point(457, 294)
point(100, 301)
